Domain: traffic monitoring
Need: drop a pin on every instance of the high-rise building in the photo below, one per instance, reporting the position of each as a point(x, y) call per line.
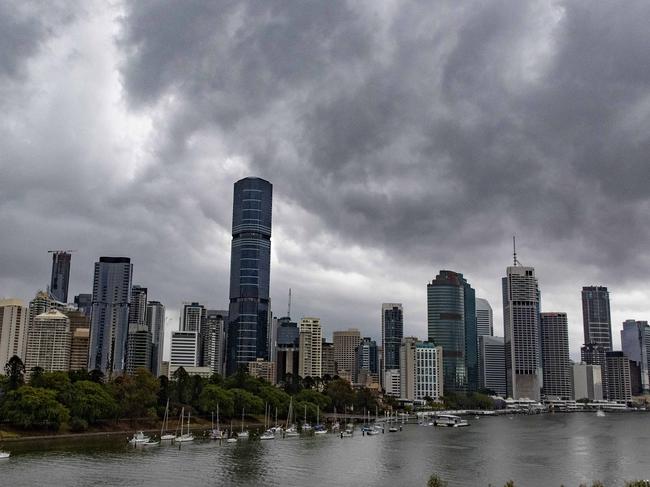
point(184, 349)
point(635, 341)
point(110, 315)
point(345, 343)
point(213, 336)
point(49, 341)
point(250, 264)
point(619, 383)
point(522, 340)
point(60, 275)
point(556, 363)
point(13, 330)
point(451, 317)
point(138, 348)
point(287, 361)
point(311, 352)
point(329, 364)
point(192, 317)
point(42, 303)
point(80, 332)
point(392, 382)
point(138, 306)
point(587, 382)
point(492, 365)
point(596, 317)
point(484, 316)
point(156, 324)
point(262, 369)
point(367, 359)
point(594, 354)
point(287, 333)
point(421, 373)
point(84, 303)
point(392, 332)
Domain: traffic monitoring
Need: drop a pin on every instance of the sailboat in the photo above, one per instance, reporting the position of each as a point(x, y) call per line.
point(243, 434)
point(184, 437)
point(290, 431)
point(164, 436)
point(268, 433)
point(305, 425)
point(216, 433)
point(319, 429)
point(4, 454)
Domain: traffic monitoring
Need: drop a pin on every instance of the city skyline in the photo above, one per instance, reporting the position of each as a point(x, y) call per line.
point(374, 154)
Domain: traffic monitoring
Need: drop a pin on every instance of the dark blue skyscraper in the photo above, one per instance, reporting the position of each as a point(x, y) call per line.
point(60, 275)
point(250, 263)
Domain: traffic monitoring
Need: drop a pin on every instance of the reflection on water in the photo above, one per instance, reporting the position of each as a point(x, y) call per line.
point(546, 450)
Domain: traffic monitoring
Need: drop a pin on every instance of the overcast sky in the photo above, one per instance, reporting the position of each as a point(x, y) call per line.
point(401, 138)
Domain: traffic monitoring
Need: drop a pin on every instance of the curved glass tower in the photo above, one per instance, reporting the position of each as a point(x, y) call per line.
point(250, 264)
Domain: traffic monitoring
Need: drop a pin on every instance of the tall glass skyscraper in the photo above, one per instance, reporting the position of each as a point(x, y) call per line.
point(392, 332)
point(451, 318)
point(250, 265)
point(596, 319)
point(60, 275)
point(110, 314)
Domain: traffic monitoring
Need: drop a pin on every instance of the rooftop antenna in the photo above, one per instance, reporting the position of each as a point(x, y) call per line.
point(514, 251)
point(289, 306)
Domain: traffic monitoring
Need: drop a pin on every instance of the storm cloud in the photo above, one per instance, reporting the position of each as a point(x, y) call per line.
point(401, 138)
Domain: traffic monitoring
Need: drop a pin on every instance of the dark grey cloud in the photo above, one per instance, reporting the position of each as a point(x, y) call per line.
point(401, 138)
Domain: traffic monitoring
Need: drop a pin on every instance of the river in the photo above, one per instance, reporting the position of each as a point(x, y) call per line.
point(544, 450)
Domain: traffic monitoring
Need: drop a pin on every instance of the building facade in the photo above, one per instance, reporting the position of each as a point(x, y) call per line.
point(587, 382)
point(345, 344)
point(263, 369)
point(635, 341)
point(49, 342)
point(594, 354)
point(492, 364)
point(60, 275)
point(80, 331)
point(392, 382)
point(311, 351)
point(556, 364)
point(250, 265)
point(13, 330)
point(619, 381)
point(214, 340)
point(421, 373)
point(522, 338)
point(329, 364)
point(155, 319)
point(366, 360)
point(110, 314)
point(138, 348)
point(184, 350)
point(392, 332)
point(596, 319)
point(484, 318)
point(84, 303)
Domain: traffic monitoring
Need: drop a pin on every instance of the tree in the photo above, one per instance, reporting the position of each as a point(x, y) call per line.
point(36, 376)
point(365, 400)
point(213, 397)
point(196, 388)
point(243, 380)
point(136, 394)
point(96, 375)
point(319, 399)
point(57, 381)
point(340, 393)
point(15, 370)
point(245, 400)
point(34, 407)
point(435, 481)
point(182, 386)
point(276, 398)
point(90, 402)
point(77, 375)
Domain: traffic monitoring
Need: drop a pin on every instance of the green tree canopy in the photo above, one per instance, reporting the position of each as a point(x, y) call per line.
point(276, 398)
point(15, 370)
point(314, 397)
point(214, 396)
point(341, 394)
point(247, 401)
point(34, 407)
point(90, 401)
point(136, 394)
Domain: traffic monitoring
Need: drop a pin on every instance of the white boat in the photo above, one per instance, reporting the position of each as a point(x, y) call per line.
point(347, 433)
point(4, 454)
point(231, 440)
point(290, 430)
point(449, 420)
point(216, 433)
point(267, 435)
point(319, 429)
point(243, 434)
point(185, 437)
point(165, 424)
point(139, 438)
point(151, 443)
point(393, 429)
point(600, 413)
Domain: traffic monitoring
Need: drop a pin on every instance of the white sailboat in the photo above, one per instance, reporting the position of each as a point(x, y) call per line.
point(4, 454)
point(305, 425)
point(243, 434)
point(185, 437)
point(139, 438)
point(216, 433)
point(268, 433)
point(290, 431)
point(319, 429)
point(164, 436)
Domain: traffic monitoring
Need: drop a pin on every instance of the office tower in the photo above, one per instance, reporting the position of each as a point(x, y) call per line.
point(287, 333)
point(422, 370)
point(138, 306)
point(60, 275)
point(635, 342)
point(272, 334)
point(214, 342)
point(329, 364)
point(392, 382)
point(287, 361)
point(110, 315)
point(250, 263)
point(13, 330)
point(262, 369)
point(392, 332)
point(192, 317)
point(42, 303)
point(451, 317)
point(155, 319)
point(619, 385)
point(80, 332)
point(366, 359)
point(586, 382)
point(311, 353)
point(556, 364)
point(184, 349)
point(484, 325)
point(593, 354)
point(48, 343)
point(84, 303)
point(492, 365)
point(138, 348)
point(596, 318)
point(521, 325)
point(345, 343)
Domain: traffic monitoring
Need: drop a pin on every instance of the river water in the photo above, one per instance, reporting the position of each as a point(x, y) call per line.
point(544, 450)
